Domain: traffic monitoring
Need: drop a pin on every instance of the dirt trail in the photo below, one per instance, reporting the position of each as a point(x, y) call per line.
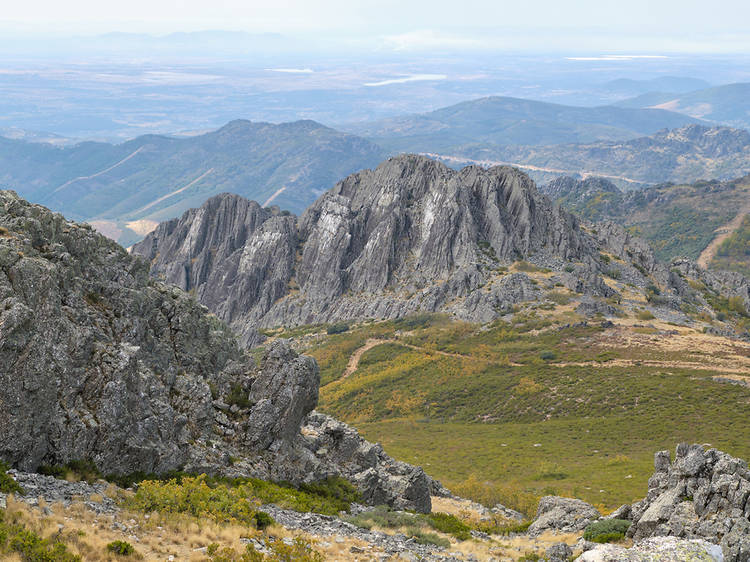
point(354, 358)
point(739, 372)
point(274, 196)
point(723, 232)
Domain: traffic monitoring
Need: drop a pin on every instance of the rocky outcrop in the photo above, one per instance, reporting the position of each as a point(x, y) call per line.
point(703, 494)
point(411, 235)
point(379, 477)
point(565, 515)
point(657, 549)
point(99, 361)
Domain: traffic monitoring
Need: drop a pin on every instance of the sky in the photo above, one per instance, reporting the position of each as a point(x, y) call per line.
point(409, 24)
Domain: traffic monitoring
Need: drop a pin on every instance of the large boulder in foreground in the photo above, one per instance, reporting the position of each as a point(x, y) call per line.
point(703, 494)
point(99, 361)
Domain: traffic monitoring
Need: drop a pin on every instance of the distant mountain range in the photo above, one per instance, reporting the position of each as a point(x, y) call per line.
point(728, 104)
point(501, 121)
point(686, 154)
point(126, 189)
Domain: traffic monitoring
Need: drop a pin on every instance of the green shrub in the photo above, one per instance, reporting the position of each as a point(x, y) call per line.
point(121, 548)
point(605, 258)
point(73, 470)
point(328, 497)
point(613, 273)
point(263, 520)
point(569, 268)
point(450, 525)
point(530, 557)
point(238, 396)
point(425, 537)
point(7, 484)
point(338, 328)
point(606, 530)
point(547, 355)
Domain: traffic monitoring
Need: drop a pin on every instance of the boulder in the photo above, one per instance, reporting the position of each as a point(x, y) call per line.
point(564, 515)
point(703, 494)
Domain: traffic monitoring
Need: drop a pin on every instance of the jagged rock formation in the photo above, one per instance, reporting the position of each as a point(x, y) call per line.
point(411, 235)
point(702, 494)
point(99, 361)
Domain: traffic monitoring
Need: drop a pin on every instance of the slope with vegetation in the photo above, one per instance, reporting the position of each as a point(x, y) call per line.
point(685, 154)
point(676, 220)
point(540, 404)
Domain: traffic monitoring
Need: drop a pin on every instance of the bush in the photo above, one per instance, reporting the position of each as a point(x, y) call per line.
point(238, 396)
point(606, 530)
point(338, 328)
point(613, 273)
point(450, 524)
point(7, 484)
point(263, 520)
point(547, 355)
point(121, 548)
point(73, 470)
point(328, 497)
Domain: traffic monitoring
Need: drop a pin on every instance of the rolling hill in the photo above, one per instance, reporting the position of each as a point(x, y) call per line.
point(686, 154)
point(126, 189)
point(680, 220)
point(728, 104)
point(500, 121)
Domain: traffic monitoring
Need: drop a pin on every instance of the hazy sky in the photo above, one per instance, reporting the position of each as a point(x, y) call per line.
point(405, 23)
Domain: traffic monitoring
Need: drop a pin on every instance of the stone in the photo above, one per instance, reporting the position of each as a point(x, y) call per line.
point(702, 494)
point(559, 552)
point(100, 361)
point(563, 515)
point(411, 235)
point(657, 549)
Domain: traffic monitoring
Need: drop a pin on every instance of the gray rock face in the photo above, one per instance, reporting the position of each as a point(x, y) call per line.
point(702, 494)
point(411, 235)
point(98, 361)
point(657, 549)
point(380, 478)
point(562, 514)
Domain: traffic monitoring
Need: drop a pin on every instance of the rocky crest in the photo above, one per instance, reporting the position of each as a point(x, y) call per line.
point(99, 361)
point(702, 494)
point(411, 235)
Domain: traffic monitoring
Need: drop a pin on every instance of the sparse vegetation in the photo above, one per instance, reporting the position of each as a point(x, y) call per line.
point(471, 414)
point(16, 538)
point(79, 469)
point(339, 328)
point(606, 530)
point(121, 548)
point(7, 484)
point(416, 525)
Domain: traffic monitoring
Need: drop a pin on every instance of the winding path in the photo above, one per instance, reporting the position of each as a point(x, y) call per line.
point(723, 232)
point(80, 178)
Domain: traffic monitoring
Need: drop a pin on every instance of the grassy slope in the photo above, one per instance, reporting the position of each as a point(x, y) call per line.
point(500, 423)
point(678, 221)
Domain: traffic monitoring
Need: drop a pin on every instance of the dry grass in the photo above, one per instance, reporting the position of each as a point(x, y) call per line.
point(156, 537)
